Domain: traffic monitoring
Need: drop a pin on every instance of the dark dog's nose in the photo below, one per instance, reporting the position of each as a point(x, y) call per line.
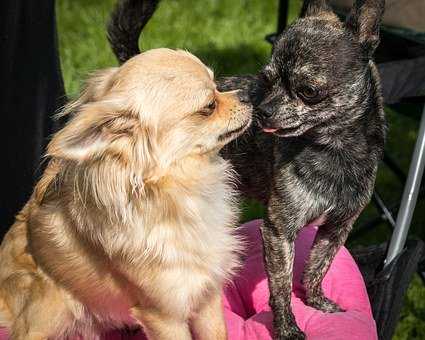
point(266, 110)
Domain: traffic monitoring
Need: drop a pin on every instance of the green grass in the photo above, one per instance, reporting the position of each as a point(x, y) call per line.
point(229, 36)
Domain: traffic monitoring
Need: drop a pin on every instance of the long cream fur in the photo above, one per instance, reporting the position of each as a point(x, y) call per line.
point(133, 219)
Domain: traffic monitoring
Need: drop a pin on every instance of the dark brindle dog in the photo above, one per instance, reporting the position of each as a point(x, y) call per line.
point(313, 153)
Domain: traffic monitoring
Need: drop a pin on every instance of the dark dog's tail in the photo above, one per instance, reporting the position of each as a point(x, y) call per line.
point(126, 23)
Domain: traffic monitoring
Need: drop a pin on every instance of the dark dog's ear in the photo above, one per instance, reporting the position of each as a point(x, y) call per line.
point(315, 8)
point(364, 21)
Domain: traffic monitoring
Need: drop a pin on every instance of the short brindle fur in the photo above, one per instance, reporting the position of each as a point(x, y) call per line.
point(312, 154)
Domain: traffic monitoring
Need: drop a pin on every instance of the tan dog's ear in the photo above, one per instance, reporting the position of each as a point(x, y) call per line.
point(95, 87)
point(84, 135)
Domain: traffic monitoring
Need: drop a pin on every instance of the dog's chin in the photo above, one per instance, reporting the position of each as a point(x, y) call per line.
point(225, 138)
point(230, 135)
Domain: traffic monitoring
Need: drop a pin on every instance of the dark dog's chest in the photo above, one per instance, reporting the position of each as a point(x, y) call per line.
point(298, 169)
point(341, 179)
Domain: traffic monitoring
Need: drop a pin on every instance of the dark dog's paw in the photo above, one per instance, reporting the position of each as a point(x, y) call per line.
point(289, 332)
point(324, 304)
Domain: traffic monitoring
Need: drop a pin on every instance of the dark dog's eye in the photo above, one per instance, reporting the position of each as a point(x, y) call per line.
point(208, 109)
point(310, 94)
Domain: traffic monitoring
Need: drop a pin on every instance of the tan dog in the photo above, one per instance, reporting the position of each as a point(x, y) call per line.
point(133, 218)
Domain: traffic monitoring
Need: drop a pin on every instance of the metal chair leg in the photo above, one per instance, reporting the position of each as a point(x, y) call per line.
point(410, 195)
point(385, 211)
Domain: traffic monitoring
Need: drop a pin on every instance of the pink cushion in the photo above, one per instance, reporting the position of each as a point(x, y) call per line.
point(247, 311)
point(248, 314)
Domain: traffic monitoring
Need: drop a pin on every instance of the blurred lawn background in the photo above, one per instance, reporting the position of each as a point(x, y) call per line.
point(229, 36)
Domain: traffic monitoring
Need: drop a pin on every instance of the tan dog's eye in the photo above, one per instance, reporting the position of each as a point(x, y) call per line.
point(211, 105)
point(209, 109)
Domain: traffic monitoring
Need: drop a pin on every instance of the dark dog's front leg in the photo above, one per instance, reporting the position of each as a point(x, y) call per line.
point(279, 259)
point(329, 238)
point(278, 242)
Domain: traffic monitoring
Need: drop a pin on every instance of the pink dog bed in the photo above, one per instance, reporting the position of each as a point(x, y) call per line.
point(248, 314)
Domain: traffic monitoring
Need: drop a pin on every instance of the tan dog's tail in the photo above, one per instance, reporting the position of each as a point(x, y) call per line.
point(126, 23)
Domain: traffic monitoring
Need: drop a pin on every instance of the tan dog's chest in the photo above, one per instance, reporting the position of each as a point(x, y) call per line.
point(168, 265)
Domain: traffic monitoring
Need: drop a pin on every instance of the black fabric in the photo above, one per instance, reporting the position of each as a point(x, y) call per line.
point(387, 287)
point(401, 64)
point(402, 79)
point(31, 91)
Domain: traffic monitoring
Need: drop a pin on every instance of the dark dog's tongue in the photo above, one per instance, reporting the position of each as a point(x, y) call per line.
point(269, 130)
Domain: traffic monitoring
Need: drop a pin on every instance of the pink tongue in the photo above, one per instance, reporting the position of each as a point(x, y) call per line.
point(269, 130)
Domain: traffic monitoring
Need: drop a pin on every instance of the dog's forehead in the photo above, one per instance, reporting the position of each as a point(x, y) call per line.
point(166, 64)
point(165, 81)
point(314, 48)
